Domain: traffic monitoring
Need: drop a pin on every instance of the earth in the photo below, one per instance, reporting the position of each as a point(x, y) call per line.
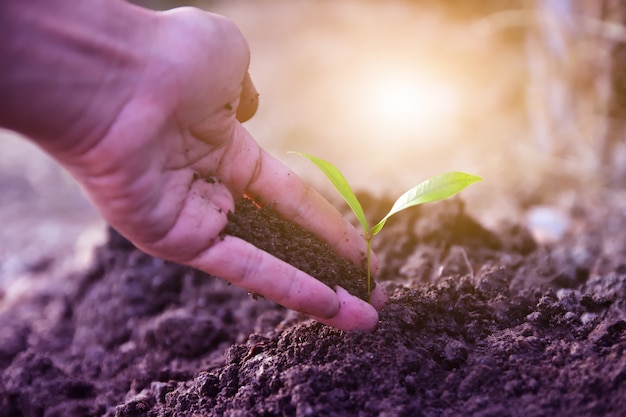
point(512, 303)
point(515, 320)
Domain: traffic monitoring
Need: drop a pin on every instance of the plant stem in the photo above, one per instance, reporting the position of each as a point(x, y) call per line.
point(368, 242)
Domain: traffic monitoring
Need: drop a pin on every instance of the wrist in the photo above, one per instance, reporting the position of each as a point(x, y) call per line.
point(60, 58)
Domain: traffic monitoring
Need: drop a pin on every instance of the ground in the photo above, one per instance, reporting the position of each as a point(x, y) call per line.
point(506, 301)
point(480, 322)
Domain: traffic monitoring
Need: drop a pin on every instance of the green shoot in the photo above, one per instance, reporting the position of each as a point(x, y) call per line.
point(435, 188)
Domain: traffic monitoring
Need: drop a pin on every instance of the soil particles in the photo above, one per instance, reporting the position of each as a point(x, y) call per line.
point(480, 322)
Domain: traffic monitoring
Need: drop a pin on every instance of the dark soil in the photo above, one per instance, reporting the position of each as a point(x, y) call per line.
point(301, 248)
point(480, 322)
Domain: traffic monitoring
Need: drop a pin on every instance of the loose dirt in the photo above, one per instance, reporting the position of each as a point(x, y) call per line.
point(480, 322)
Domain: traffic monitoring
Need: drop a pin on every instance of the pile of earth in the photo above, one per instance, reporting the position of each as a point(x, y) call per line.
point(480, 322)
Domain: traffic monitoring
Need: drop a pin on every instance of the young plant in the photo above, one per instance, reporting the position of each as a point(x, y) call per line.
point(435, 188)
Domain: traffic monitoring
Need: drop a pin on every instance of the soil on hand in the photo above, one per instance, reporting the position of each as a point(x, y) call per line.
point(480, 322)
point(296, 246)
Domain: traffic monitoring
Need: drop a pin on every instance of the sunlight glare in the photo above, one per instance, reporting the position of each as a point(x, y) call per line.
point(409, 104)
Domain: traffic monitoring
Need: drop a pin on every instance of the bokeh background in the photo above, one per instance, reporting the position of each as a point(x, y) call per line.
point(526, 93)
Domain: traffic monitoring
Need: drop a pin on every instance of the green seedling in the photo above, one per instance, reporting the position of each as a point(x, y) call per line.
point(435, 188)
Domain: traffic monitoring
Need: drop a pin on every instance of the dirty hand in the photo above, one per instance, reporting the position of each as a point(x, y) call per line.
point(142, 119)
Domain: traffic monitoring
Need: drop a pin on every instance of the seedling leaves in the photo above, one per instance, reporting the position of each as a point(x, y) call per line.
point(341, 184)
point(435, 188)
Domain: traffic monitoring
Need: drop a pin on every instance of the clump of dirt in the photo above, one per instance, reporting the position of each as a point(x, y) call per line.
point(300, 248)
point(479, 323)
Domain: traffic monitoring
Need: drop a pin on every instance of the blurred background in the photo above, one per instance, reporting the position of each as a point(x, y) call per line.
point(529, 94)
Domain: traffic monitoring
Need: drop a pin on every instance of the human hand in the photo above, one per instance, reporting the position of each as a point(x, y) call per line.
point(172, 121)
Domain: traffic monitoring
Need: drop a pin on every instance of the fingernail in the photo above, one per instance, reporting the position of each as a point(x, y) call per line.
point(248, 101)
point(353, 314)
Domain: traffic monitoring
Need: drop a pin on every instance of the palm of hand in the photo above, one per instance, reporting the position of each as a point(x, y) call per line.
point(169, 168)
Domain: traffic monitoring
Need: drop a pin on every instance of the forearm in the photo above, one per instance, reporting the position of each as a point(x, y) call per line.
point(59, 58)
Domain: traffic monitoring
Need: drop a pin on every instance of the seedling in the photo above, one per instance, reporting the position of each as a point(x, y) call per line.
point(435, 188)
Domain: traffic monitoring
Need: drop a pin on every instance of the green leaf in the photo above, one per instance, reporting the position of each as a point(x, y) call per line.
point(436, 188)
point(341, 184)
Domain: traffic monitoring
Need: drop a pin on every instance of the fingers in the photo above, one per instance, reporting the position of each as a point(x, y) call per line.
point(297, 201)
point(248, 100)
point(353, 314)
point(248, 267)
point(378, 298)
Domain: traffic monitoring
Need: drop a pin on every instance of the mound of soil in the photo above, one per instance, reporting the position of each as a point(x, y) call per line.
point(480, 322)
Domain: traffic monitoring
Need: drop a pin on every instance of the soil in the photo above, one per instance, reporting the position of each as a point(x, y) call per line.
point(480, 322)
point(300, 248)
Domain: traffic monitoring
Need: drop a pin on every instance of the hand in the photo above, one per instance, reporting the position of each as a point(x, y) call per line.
point(171, 120)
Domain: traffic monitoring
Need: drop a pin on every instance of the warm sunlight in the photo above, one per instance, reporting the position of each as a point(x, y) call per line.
point(402, 104)
point(407, 104)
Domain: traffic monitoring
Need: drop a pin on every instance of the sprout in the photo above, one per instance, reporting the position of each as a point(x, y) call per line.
point(435, 188)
